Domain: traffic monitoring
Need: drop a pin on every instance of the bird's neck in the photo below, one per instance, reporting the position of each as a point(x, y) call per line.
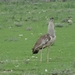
point(51, 30)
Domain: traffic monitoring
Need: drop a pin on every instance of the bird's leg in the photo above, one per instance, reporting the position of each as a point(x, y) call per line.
point(48, 54)
point(41, 56)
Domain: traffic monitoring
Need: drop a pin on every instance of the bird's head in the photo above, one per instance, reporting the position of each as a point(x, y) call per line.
point(51, 18)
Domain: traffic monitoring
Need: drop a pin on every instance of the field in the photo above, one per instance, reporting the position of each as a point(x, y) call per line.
point(21, 24)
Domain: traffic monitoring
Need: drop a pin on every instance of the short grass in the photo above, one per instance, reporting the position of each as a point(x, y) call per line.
point(16, 40)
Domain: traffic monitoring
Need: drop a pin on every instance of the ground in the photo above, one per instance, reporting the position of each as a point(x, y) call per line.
point(20, 27)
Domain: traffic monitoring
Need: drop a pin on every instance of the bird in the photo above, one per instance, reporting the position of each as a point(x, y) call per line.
point(45, 40)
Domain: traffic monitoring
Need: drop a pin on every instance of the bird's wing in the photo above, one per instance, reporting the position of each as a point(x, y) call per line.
point(42, 41)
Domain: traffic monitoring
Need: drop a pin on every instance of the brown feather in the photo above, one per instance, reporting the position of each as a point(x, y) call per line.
point(41, 43)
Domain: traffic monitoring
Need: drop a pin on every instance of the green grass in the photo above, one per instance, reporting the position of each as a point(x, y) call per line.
point(16, 51)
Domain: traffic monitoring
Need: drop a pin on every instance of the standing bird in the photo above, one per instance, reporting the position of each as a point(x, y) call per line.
point(45, 40)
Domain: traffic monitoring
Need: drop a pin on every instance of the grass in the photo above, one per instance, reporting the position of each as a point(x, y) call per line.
point(16, 42)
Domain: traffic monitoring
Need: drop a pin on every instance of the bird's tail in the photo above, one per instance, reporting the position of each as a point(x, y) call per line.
point(34, 51)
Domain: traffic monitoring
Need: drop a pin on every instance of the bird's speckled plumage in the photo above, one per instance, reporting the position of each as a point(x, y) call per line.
point(41, 43)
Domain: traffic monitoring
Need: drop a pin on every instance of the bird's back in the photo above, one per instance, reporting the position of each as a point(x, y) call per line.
point(41, 43)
